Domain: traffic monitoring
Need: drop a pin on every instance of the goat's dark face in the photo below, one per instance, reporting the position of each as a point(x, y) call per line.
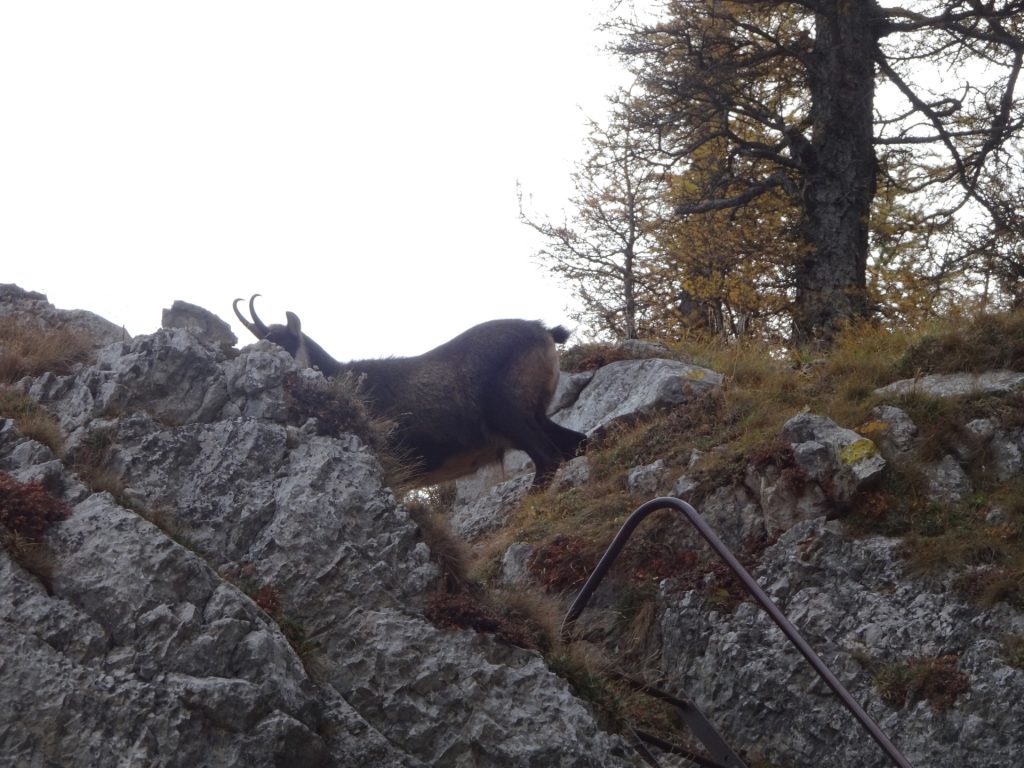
point(286, 336)
point(290, 337)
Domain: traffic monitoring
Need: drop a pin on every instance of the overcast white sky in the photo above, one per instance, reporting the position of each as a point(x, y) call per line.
point(353, 162)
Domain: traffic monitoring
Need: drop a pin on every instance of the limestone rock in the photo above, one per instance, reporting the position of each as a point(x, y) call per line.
point(894, 430)
point(683, 487)
point(957, 384)
point(859, 609)
point(514, 571)
point(170, 374)
point(646, 480)
point(32, 309)
point(948, 483)
point(147, 634)
point(785, 500)
point(575, 473)
point(628, 388)
point(837, 458)
point(201, 321)
point(475, 517)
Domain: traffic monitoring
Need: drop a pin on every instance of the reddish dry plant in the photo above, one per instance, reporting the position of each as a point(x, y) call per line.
point(663, 565)
point(564, 563)
point(266, 597)
point(464, 612)
point(28, 509)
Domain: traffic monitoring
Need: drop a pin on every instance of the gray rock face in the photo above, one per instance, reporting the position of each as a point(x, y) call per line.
point(514, 562)
point(859, 610)
point(833, 455)
point(948, 483)
point(898, 431)
point(630, 387)
point(957, 384)
point(149, 643)
point(32, 310)
point(201, 321)
point(646, 480)
point(474, 517)
point(589, 402)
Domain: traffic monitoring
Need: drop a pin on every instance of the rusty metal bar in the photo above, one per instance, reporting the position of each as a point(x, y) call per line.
point(752, 588)
point(722, 754)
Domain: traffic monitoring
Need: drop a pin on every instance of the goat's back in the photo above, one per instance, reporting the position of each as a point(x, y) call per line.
point(445, 401)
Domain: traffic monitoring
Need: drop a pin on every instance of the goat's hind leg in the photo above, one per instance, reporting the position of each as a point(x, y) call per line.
point(570, 443)
point(526, 433)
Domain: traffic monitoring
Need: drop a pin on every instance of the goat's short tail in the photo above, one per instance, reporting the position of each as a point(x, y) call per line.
point(559, 334)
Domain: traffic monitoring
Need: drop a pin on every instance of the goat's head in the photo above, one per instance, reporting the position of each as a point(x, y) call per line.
point(290, 336)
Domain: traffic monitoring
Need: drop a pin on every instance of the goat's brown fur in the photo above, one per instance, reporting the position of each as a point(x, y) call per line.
point(461, 405)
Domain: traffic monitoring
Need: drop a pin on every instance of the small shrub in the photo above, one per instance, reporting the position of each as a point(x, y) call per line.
point(988, 586)
point(28, 509)
point(591, 685)
point(934, 679)
point(464, 611)
point(266, 597)
point(985, 343)
point(1013, 650)
point(591, 356)
point(447, 550)
point(563, 563)
point(339, 407)
point(91, 462)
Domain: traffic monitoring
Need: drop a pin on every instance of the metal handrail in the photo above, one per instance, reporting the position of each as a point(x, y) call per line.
point(752, 588)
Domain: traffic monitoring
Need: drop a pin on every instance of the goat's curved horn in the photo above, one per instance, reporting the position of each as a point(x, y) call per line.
point(256, 326)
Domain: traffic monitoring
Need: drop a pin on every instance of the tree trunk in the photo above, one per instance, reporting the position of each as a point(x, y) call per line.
point(838, 172)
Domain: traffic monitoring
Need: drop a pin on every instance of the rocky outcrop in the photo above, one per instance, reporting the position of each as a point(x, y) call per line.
point(252, 593)
point(956, 384)
point(203, 322)
point(867, 618)
point(837, 459)
point(630, 388)
point(247, 590)
point(33, 310)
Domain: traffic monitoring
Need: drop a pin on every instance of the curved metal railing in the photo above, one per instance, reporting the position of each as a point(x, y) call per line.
point(751, 587)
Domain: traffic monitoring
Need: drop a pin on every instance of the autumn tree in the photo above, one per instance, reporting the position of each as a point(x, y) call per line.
point(823, 103)
point(603, 248)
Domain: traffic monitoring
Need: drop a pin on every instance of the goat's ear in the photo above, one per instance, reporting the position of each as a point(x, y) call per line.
point(294, 325)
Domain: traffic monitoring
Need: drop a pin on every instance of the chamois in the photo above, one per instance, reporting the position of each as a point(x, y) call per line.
point(461, 405)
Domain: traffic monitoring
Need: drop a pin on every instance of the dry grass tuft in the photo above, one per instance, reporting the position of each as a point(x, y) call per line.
point(339, 406)
point(91, 462)
point(30, 351)
point(984, 343)
point(935, 679)
point(32, 420)
point(449, 552)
